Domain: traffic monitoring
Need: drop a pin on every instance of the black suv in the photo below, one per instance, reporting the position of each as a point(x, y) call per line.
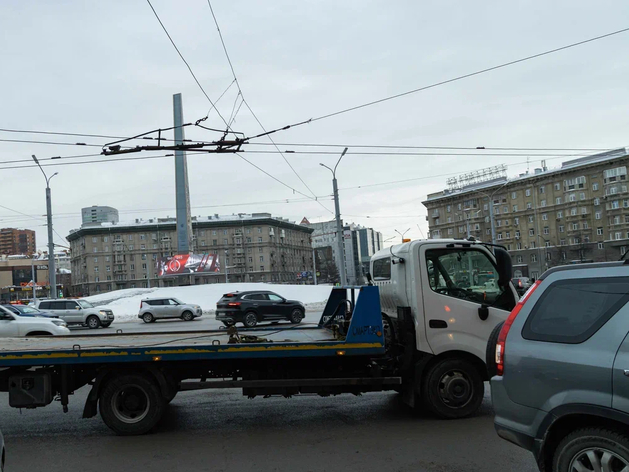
point(249, 308)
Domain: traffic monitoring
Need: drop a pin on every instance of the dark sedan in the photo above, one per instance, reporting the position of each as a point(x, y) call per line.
point(30, 311)
point(250, 308)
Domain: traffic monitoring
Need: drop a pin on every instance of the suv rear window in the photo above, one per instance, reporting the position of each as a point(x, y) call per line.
point(382, 269)
point(570, 311)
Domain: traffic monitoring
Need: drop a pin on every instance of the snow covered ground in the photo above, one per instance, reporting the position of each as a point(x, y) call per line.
point(126, 303)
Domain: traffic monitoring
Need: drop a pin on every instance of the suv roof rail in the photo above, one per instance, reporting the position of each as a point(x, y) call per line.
point(592, 265)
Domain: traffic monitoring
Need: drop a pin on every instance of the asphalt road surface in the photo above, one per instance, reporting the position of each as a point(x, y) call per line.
point(222, 431)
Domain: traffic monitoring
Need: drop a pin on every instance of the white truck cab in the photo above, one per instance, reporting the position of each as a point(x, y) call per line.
point(440, 301)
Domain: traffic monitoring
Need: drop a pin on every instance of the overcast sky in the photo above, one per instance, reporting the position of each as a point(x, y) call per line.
point(108, 68)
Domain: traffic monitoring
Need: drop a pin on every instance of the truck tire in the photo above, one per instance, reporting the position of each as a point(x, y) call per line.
point(490, 353)
point(92, 322)
point(453, 388)
point(131, 404)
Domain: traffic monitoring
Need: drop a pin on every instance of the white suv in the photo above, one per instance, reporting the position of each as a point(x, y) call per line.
point(12, 325)
point(78, 312)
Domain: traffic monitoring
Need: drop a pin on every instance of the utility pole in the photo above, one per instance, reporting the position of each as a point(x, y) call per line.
point(182, 193)
point(314, 266)
point(52, 271)
point(33, 279)
point(339, 229)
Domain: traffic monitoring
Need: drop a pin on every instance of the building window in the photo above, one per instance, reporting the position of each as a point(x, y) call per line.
point(508, 235)
point(544, 216)
point(517, 234)
point(618, 235)
point(142, 246)
point(615, 205)
point(106, 248)
point(143, 236)
point(486, 207)
point(528, 192)
point(106, 258)
point(557, 186)
point(546, 230)
point(516, 221)
point(543, 203)
point(488, 232)
point(572, 197)
point(582, 196)
point(514, 195)
point(238, 241)
point(499, 235)
point(533, 257)
point(144, 266)
point(449, 231)
point(248, 230)
point(499, 222)
point(515, 208)
point(225, 241)
point(562, 242)
point(528, 205)
point(599, 231)
point(561, 228)
point(573, 211)
point(600, 245)
point(597, 215)
point(132, 266)
point(575, 226)
point(459, 206)
point(95, 249)
point(531, 232)
point(519, 259)
point(94, 239)
point(108, 268)
point(96, 269)
point(585, 225)
point(548, 256)
point(518, 246)
point(96, 260)
point(143, 257)
point(259, 239)
point(105, 239)
point(616, 220)
point(558, 201)
point(130, 237)
point(448, 208)
point(262, 268)
point(437, 221)
point(560, 214)
point(541, 189)
point(531, 219)
point(595, 186)
point(497, 211)
point(214, 242)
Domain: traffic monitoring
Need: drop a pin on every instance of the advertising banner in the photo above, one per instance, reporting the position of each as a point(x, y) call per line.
point(181, 264)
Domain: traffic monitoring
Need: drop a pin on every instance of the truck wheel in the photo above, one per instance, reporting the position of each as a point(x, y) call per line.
point(148, 318)
point(453, 388)
point(490, 353)
point(250, 319)
point(187, 316)
point(131, 404)
point(592, 449)
point(92, 322)
point(296, 316)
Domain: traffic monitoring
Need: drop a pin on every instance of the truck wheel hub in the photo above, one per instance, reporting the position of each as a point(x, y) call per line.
point(455, 389)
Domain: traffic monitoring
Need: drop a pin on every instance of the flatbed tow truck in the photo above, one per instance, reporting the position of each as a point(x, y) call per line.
point(134, 376)
point(420, 328)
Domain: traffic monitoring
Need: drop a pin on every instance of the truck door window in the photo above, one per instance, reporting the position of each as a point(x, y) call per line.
point(467, 274)
point(382, 269)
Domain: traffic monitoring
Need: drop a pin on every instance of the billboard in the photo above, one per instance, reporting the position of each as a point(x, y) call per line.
point(186, 264)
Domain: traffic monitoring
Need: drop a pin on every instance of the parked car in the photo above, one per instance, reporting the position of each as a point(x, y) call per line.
point(521, 284)
point(12, 325)
point(31, 311)
point(252, 307)
point(78, 312)
point(3, 453)
point(153, 309)
point(562, 364)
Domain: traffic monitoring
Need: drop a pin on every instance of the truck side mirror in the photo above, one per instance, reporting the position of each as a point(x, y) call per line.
point(505, 267)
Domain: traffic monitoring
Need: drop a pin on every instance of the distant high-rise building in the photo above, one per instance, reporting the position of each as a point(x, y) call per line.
point(17, 241)
point(99, 214)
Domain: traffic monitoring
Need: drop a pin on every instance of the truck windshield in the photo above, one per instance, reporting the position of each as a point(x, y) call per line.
point(85, 304)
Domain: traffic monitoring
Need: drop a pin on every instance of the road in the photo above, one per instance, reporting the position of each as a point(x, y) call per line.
point(204, 323)
point(222, 431)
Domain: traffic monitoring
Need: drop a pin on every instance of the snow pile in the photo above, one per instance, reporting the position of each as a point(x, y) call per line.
point(126, 303)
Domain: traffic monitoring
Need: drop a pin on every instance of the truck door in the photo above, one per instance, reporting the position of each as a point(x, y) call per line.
point(456, 282)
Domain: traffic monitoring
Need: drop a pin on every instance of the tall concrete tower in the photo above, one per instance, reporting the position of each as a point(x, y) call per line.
point(182, 192)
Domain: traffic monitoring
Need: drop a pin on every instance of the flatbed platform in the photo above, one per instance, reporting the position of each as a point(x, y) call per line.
point(363, 337)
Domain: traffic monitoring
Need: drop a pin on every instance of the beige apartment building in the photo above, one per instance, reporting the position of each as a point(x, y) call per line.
point(578, 212)
point(250, 248)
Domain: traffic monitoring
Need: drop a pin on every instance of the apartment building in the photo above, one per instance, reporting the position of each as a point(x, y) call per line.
point(578, 212)
point(250, 248)
point(14, 241)
point(99, 214)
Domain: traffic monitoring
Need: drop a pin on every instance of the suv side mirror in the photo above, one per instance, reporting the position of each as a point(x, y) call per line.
point(77, 307)
point(505, 267)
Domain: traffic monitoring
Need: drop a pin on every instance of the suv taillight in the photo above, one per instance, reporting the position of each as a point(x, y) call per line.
point(233, 304)
point(502, 337)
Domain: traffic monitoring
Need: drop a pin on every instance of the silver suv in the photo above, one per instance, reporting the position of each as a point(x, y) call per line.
point(562, 365)
point(78, 312)
point(152, 309)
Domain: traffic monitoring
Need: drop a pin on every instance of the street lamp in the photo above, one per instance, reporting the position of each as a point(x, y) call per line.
point(337, 211)
point(52, 271)
point(402, 234)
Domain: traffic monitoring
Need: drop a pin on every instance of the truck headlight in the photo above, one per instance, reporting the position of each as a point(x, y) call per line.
point(60, 323)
